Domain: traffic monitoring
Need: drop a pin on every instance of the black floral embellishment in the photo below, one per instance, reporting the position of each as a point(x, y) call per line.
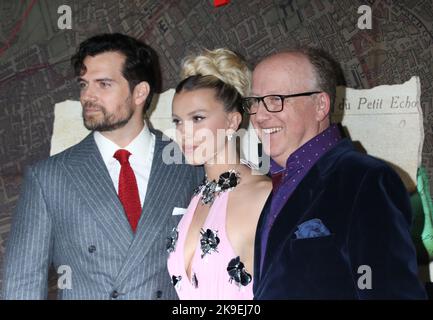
point(210, 189)
point(237, 272)
point(229, 180)
point(172, 240)
point(175, 280)
point(198, 189)
point(209, 192)
point(194, 281)
point(209, 241)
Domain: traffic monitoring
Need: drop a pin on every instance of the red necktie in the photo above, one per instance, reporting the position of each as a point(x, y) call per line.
point(128, 190)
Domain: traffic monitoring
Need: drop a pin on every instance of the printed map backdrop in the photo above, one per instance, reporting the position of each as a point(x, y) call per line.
point(35, 72)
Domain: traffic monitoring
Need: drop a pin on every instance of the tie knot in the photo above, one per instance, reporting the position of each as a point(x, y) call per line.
point(122, 156)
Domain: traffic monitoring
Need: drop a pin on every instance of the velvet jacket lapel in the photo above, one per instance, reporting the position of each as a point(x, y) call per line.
point(295, 209)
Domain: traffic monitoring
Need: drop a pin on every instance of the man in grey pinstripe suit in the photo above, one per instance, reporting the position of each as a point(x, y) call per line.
point(69, 214)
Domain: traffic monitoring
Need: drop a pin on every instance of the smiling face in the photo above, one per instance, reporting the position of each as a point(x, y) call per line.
point(202, 125)
point(104, 92)
point(302, 118)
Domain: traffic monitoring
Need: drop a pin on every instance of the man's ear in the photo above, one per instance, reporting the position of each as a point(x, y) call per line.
point(235, 119)
point(323, 106)
point(141, 92)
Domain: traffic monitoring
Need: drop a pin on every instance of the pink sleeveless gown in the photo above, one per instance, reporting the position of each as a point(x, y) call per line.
point(210, 279)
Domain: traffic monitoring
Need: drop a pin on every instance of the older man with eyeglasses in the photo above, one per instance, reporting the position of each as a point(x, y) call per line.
point(338, 223)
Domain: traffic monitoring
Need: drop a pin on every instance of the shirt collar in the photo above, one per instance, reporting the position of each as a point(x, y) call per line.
point(311, 151)
point(139, 147)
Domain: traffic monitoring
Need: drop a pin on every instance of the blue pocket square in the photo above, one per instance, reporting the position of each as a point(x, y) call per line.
point(312, 229)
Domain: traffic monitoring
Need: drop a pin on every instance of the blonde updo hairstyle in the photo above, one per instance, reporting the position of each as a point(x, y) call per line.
point(220, 70)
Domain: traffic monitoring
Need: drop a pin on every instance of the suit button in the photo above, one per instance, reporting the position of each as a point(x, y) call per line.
point(114, 294)
point(159, 294)
point(92, 249)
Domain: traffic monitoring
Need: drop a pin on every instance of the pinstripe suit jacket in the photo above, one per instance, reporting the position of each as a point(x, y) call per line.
point(69, 215)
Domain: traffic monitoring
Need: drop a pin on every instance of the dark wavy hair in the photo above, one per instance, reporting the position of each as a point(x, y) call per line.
point(141, 61)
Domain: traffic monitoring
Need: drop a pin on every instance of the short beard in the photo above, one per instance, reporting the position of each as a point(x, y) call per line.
point(109, 121)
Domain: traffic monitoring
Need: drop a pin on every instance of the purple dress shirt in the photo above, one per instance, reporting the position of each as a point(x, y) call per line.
point(285, 180)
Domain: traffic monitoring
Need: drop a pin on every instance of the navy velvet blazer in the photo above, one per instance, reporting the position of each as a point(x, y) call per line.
point(366, 208)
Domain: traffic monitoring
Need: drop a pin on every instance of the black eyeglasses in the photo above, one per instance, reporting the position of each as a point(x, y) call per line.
point(272, 102)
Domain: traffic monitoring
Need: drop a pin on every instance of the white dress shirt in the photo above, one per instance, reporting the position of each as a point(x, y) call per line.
point(141, 149)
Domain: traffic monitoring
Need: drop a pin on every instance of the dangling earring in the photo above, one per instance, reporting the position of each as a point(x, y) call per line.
point(231, 148)
point(230, 135)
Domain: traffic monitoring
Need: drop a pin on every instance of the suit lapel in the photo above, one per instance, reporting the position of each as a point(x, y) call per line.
point(297, 206)
point(258, 238)
point(301, 201)
point(156, 208)
point(91, 178)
